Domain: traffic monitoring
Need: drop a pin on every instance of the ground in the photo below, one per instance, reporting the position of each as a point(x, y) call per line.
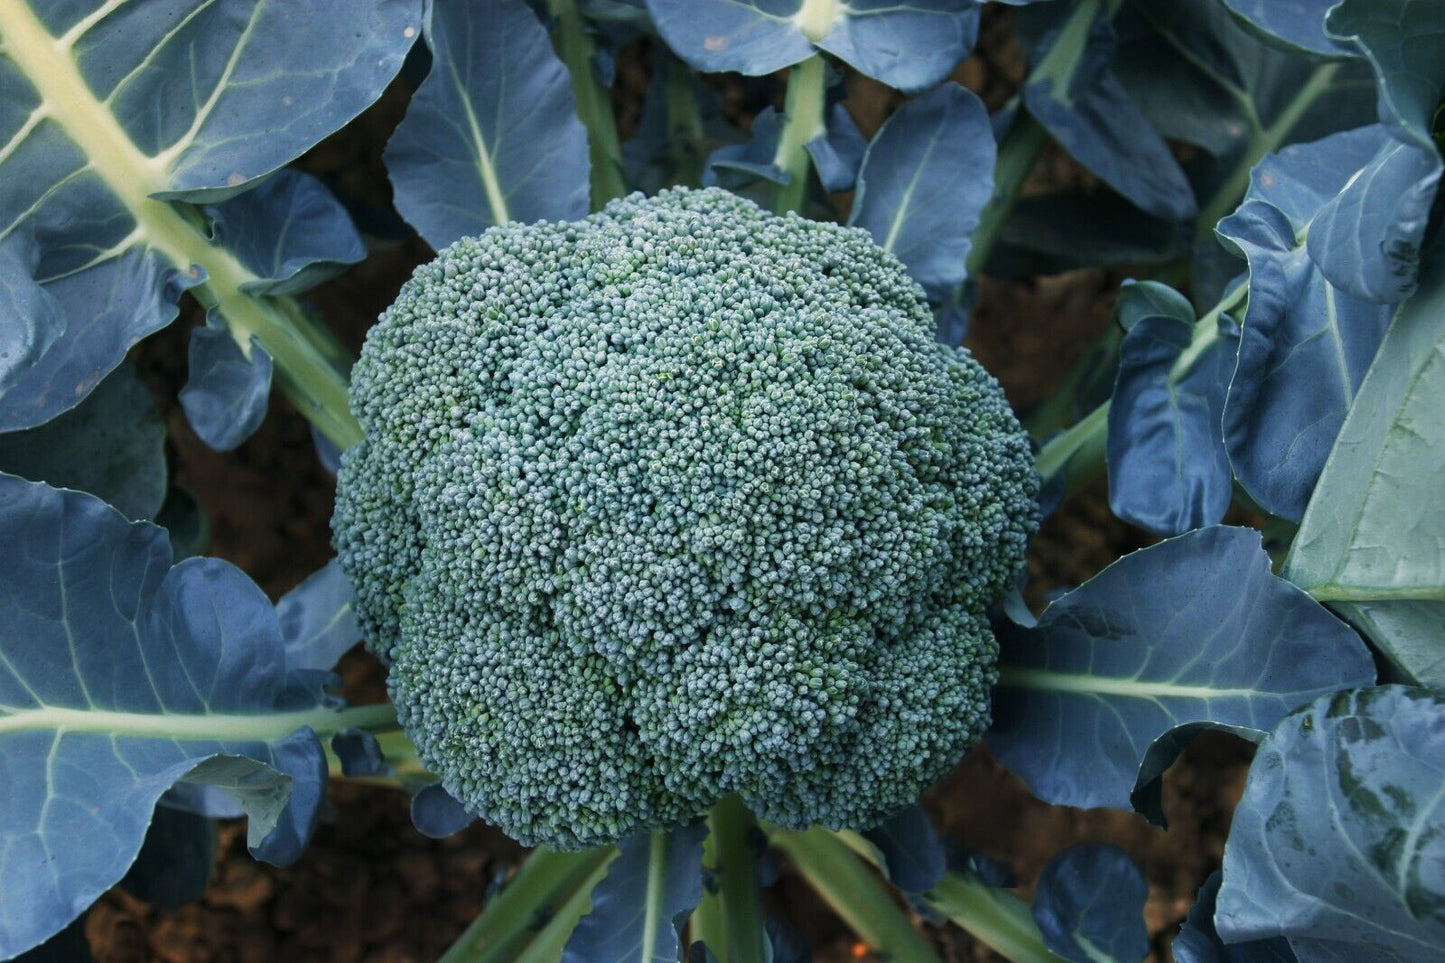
point(371, 888)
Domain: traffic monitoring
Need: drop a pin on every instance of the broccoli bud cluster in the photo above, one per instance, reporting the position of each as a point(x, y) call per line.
point(678, 501)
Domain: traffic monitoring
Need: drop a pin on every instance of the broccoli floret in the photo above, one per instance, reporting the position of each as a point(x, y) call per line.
point(674, 502)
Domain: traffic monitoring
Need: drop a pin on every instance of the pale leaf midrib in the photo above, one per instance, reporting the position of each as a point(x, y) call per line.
point(129, 174)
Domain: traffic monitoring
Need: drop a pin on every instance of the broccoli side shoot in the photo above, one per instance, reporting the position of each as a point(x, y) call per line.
point(678, 501)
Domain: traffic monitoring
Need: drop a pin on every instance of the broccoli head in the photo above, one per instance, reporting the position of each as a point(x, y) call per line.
point(678, 501)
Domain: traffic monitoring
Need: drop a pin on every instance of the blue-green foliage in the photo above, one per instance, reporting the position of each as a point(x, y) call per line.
point(1198, 941)
point(105, 105)
point(908, 44)
point(1305, 344)
point(1338, 844)
point(1194, 630)
point(119, 677)
point(495, 103)
point(1168, 468)
point(1090, 905)
point(919, 190)
point(640, 909)
point(679, 501)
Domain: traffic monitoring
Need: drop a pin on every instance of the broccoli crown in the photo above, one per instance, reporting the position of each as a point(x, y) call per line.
point(678, 501)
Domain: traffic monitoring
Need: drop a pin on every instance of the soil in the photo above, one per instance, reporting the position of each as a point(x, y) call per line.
point(370, 888)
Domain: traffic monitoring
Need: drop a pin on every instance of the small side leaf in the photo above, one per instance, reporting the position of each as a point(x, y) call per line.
point(737, 165)
point(492, 134)
point(359, 752)
point(436, 814)
point(1194, 630)
point(838, 153)
point(1168, 469)
point(1089, 905)
point(225, 398)
point(318, 619)
point(289, 231)
point(1338, 844)
point(641, 906)
point(913, 856)
point(925, 179)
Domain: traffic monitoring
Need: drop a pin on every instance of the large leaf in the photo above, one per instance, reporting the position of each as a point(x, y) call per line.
point(1193, 631)
point(1306, 344)
point(1403, 41)
point(492, 134)
point(908, 44)
point(1199, 942)
point(1089, 905)
point(1168, 470)
point(119, 677)
point(925, 179)
point(105, 107)
point(1338, 844)
point(1372, 535)
point(641, 906)
point(1296, 23)
point(111, 445)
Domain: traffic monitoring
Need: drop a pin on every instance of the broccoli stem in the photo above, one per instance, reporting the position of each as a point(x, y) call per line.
point(802, 121)
point(684, 121)
point(845, 882)
point(995, 917)
point(594, 101)
point(1017, 153)
point(729, 920)
point(1266, 140)
point(1026, 137)
point(532, 916)
point(1079, 453)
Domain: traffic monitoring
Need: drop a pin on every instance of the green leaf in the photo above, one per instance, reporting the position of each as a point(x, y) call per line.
point(109, 112)
point(1372, 534)
point(112, 445)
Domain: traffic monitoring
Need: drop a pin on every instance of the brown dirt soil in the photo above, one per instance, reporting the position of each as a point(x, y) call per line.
point(370, 889)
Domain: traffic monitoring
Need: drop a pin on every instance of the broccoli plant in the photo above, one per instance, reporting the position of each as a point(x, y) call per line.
point(690, 539)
